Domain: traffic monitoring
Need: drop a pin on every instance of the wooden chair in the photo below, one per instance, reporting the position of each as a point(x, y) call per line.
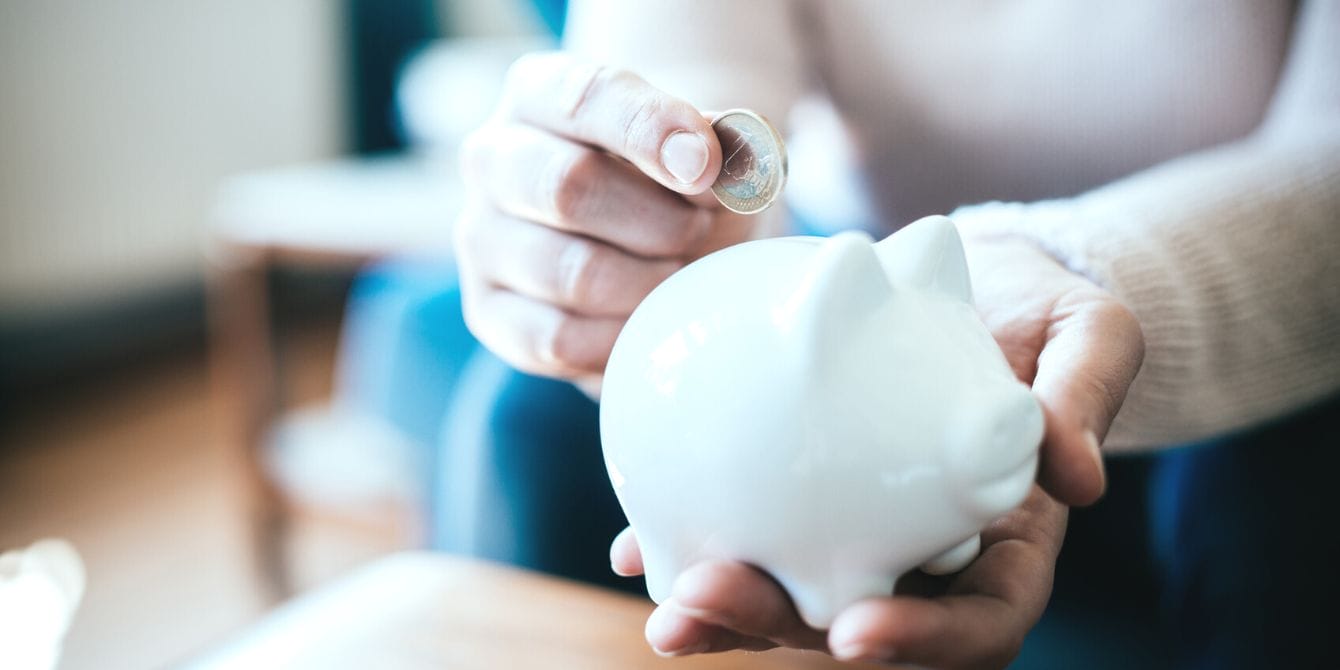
point(341, 214)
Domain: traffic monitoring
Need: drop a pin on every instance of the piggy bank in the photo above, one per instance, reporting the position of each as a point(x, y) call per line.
point(832, 411)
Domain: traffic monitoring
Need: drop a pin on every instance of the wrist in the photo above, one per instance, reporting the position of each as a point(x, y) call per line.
point(1081, 236)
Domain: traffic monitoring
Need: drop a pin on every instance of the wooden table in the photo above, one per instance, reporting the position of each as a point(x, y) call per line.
point(420, 610)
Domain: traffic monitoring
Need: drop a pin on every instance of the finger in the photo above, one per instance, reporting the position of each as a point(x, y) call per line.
point(536, 337)
point(1070, 463)
point(1092, 353)
point(736, 596)
point(544, 178)
point(1039, 521)
point(989, 609)
point(590, 385)
point(625, 554)
point(673, 632)
point(581, 275)
point(950, 632)
point(1019, 554)
point(665, 137)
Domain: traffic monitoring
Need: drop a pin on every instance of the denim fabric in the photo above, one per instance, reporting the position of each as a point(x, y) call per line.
point(404, 346)
point(522, 476)
point(1214, 555)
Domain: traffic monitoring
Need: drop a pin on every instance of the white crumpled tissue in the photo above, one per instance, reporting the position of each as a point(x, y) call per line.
point(40, 589)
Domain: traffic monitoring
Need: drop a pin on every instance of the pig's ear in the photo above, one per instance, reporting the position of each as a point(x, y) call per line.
point(843, 282)
point(927, 254)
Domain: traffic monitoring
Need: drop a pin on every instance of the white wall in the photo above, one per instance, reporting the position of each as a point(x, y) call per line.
point(118, 117)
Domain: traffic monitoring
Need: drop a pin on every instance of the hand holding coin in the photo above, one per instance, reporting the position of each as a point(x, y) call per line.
point(587, 188)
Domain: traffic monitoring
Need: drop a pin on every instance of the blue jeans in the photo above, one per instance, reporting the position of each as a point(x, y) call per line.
point(512, 462)
point(1216, 555)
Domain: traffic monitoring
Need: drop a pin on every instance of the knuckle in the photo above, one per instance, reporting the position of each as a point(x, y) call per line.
point(577, 269)
point(637, 106)
point(688, 236)
point(616, 78)
point(581, 84)
point(1129, 325)
point(493, 330)
point(573, 178)
point(473, 313)
point(466, 234)
point(520, 72)
point(563, 344)
point(626, 83)
point(474, 149)
point(638, 125)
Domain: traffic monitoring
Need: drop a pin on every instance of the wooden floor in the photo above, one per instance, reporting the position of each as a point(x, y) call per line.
point(130, 469)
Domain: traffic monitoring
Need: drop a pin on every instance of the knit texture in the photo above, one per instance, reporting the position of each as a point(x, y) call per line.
point(1229, 260)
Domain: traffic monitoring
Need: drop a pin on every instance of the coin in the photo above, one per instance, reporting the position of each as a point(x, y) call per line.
point(753, 166)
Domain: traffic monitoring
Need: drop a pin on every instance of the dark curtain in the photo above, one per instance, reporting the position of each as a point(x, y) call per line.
point(381, 34)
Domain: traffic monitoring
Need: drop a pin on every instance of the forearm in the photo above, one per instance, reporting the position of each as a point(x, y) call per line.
point(1227, 259)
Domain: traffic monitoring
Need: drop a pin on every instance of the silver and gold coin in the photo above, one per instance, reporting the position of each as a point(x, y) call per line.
point(753, 166)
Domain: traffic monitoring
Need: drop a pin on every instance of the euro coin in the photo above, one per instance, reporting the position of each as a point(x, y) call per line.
point(753, 166)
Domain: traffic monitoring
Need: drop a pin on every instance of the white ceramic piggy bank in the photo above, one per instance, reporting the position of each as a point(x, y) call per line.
point(830, 410)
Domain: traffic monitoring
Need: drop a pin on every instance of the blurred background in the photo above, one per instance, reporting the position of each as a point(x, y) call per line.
point(190, 192)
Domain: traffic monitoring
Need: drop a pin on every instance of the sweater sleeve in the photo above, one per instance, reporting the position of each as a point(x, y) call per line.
point(1228, 258)
point(1229, 261)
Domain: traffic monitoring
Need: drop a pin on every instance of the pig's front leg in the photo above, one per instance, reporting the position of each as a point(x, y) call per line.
point(955, 559)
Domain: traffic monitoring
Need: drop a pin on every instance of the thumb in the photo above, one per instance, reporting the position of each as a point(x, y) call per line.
point(625, 555)
point(618, 111)
point(1094, 349)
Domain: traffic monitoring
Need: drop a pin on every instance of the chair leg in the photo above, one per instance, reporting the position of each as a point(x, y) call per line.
point(270, 524)
point(245, 380)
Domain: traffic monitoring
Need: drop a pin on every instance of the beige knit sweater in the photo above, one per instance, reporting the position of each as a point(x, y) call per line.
point(1184, 155)
point(1230, 260)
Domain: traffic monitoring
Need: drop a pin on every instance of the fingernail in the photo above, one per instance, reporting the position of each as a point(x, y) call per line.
point(686, 651)
point(1091, 441)
point(709, 616)
point(684, 155)
point(662, 625)
point(857, 651)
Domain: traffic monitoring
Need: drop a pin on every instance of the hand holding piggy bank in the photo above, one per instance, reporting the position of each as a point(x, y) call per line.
point(830, 410)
